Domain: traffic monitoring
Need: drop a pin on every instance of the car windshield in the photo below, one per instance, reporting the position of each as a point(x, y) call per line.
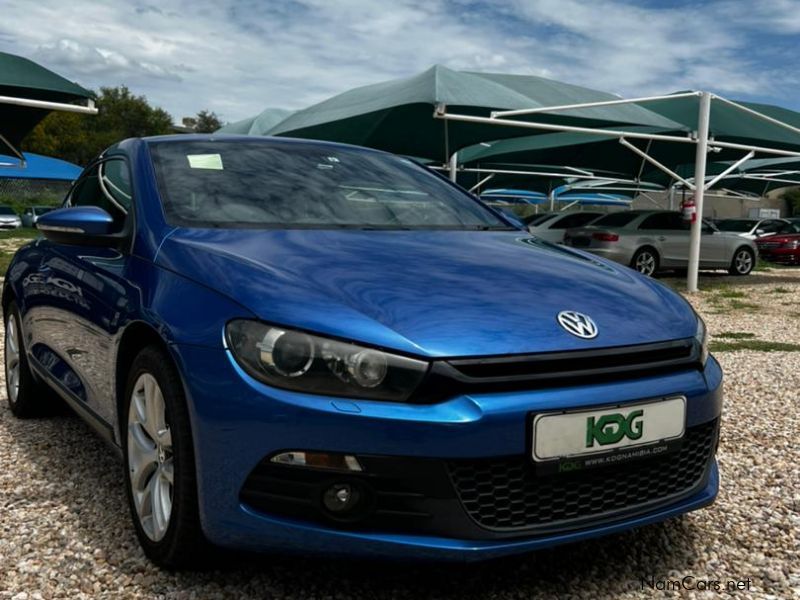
point(246, 183)
point(618, 219)
point(739, 225)
point(7, 210)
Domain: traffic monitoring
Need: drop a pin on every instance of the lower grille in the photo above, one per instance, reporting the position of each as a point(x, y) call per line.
point(506, 494)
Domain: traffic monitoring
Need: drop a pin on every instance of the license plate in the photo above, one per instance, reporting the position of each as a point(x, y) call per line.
point(580, 434)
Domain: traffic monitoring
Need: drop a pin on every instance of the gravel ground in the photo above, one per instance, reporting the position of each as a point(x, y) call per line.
point(65, 531)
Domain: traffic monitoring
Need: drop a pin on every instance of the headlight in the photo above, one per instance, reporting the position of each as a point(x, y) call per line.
point(308, 363)
point(791, 244)
point(702, 339)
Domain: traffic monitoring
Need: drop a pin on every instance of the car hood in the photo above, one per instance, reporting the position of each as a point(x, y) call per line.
point(434, 293)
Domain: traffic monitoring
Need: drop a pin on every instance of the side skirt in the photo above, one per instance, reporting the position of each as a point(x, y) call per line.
point(103, 429)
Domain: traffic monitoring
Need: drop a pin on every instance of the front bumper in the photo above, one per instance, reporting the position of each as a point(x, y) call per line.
point(237, 422)
point(787, 256)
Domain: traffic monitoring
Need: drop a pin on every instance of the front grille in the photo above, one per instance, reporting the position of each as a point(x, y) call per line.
point(557, 364)
point(769, 245)
point(506, 494)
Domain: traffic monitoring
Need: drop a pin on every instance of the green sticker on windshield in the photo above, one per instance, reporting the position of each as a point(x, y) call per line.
point(205, 161)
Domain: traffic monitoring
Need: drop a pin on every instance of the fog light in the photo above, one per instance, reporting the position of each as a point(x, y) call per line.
point(340, 498)
point(319, 460)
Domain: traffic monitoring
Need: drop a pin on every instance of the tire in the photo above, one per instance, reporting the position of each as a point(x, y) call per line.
point(27, 397)
point(645, 261)
point(159, 466)
point(743, 262)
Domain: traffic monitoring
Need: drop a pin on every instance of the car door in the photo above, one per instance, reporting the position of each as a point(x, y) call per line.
point(659, 231)
point(714, 246)
point(78, 298)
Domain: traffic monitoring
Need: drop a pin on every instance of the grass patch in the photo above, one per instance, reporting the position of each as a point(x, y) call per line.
point(780, 290)
point(757, 345)
point(762, 265)
point(730, 293)
point(10, 241)
point(739, 305)
point(25, 233)
point(736, 335)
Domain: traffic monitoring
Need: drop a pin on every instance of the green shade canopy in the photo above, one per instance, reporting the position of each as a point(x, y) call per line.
point(259, 124)
point(397, 115)
point(730, 124)
point(23, 78)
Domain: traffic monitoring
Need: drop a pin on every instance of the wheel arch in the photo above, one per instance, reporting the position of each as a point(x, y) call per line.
point(647, 246)
point(136, 336)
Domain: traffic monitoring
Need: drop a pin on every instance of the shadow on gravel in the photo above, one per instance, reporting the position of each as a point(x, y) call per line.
point(707, 281)
point(79, 485)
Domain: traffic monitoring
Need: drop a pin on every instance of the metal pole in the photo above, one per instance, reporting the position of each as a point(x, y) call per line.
point(703, 118)
point(46, 105)
point(671, 197)
point(552, 197)
point(454, 166)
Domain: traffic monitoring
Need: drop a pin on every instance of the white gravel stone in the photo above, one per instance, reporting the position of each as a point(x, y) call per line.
point(65, 529)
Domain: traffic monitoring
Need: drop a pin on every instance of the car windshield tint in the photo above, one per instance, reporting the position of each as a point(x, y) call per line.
point(268, 184)
point(740, 225)
point(7, 210)
point(619, 219)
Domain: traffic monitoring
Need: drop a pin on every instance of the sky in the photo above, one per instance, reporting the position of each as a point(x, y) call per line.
point(237, 57)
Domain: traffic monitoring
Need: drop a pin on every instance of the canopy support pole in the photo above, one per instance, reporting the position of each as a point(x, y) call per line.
point(551, 195)
point(703, 118)
point(478, 185)
point(454, 166)
point(13, 149)
point(654, 162)
point(671, 197)
point(62, 106)
point(729, 170)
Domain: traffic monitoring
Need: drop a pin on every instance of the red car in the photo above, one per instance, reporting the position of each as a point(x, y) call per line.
point(782, 248)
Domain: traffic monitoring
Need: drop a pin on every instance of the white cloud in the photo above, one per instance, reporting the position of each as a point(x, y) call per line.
point(238, 56)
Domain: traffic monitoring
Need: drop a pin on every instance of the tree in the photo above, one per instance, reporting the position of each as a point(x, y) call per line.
point(79, 138)
point(792, 199)
point(206, 122)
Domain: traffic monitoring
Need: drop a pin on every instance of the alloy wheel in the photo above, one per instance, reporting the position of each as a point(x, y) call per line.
point(12, 358)
point(150, 457)
point(743, 262)
point(645, 263)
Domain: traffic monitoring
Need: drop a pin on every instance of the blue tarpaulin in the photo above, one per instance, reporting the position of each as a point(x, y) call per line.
point(38, 167)
point(512, 196)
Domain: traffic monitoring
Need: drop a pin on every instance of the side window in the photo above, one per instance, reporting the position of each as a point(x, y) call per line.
point(656, 221)
point(106, 185)
point(769, 226)
point(574, 220)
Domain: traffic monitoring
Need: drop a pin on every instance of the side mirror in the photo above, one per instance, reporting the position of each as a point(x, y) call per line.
point(760, 232)
point(79, 226)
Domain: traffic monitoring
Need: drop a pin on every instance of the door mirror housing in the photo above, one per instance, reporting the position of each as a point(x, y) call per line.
point(79, 226)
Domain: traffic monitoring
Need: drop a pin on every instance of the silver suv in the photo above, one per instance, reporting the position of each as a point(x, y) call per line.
point(649, 240)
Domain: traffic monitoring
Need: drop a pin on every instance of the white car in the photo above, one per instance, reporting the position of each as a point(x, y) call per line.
point(9, 219)
point(552, 226)
point(756, 228)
